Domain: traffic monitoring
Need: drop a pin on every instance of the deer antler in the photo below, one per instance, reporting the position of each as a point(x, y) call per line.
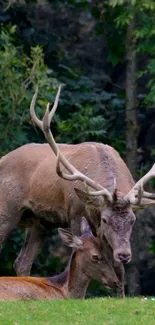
point(137, 192)
point(75, 174)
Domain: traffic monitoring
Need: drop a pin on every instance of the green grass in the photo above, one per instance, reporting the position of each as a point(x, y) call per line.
point(103, 311)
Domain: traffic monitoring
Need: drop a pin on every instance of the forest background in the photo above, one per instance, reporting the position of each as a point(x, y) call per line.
point(103, 52)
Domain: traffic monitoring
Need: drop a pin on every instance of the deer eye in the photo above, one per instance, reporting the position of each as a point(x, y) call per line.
point(95, 258)
point(104, 220)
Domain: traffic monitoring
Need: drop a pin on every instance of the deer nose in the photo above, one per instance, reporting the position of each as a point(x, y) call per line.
point(124, 258)
point(116, 284)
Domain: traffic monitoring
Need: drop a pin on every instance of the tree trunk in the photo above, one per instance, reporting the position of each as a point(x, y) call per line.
point(133, 279)
point(131, 90)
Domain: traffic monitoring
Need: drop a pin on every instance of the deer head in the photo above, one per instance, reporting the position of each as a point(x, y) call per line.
point(88, 260)
point(117, 216)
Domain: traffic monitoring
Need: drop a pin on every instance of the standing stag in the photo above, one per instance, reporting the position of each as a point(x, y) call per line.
point(34, 195)
point(88, 261)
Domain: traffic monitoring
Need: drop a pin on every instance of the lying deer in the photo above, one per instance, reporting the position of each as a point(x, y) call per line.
point(37, 193)
point(88, 261)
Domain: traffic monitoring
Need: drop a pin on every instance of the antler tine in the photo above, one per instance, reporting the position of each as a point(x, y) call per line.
point(74, 173)
point(138, 191)
point(149, 195)
point(35, 119)
point(114, 195)
point(49, 137)
point(104, 192)
point(54, 108)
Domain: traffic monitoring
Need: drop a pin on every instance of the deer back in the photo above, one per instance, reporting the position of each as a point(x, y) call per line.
point(44, 180)
point(25, 288)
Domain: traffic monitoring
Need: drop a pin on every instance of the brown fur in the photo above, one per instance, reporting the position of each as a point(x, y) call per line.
point(34, 196)
point(73, 282)
point(23, 288)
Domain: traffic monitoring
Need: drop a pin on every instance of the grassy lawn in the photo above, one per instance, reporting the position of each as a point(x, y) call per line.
point(103, 311)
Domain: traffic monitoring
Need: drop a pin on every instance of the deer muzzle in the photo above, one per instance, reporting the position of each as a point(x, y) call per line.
point(123, 256)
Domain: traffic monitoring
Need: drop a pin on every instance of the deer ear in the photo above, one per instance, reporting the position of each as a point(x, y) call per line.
point(69, 239)
point(88, 199)
point(85, 228)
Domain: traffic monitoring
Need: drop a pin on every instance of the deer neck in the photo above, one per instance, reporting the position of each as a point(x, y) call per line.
point(77, 281)
point(61, 279)
point(73, 281)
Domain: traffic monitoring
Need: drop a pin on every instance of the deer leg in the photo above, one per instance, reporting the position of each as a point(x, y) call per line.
point(34, 241)
point(119, 269)
point(7, 225)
